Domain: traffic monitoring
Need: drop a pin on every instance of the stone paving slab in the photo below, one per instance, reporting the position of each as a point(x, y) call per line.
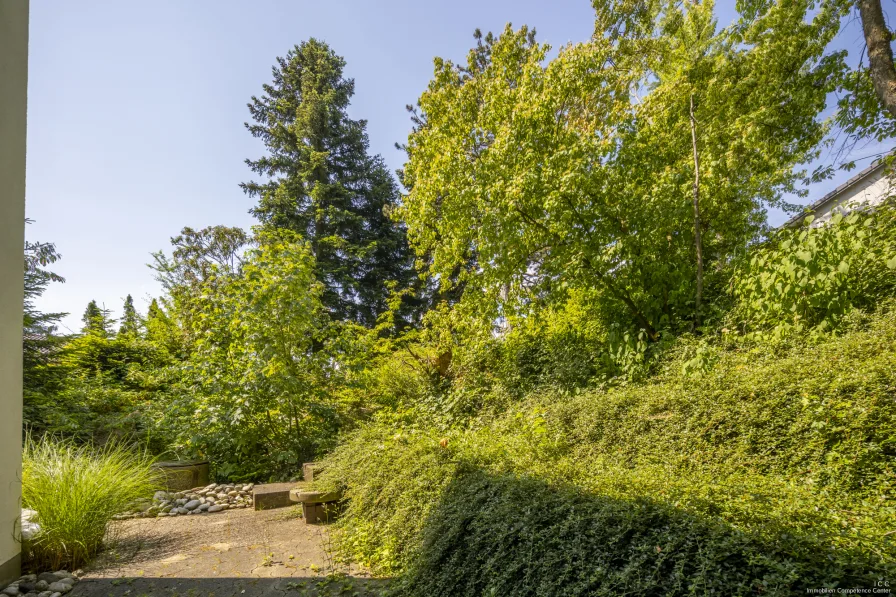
point(242, 553)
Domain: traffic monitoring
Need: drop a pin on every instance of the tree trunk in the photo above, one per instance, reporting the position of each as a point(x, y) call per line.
point(880, 54)
point(698, 240)
point(622, 296)
point(607, 280)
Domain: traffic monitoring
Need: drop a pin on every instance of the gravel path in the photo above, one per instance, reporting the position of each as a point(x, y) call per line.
point(239, 552)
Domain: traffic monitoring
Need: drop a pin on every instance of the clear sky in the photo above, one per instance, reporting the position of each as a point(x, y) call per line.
point(136, 111)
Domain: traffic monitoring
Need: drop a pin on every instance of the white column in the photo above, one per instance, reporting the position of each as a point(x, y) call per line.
point(13, 92)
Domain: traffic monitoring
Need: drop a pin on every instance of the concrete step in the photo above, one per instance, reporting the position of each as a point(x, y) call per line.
point(273, 495)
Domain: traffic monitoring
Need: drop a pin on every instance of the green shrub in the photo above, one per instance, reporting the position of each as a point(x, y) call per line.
point(75, 491)
point(771, 472)
point(503, 534)
point(263, 377)
point(807, 279)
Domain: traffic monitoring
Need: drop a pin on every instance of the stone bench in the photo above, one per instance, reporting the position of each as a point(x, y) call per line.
point(317, 506)
point(272, 495)
point(309, 469)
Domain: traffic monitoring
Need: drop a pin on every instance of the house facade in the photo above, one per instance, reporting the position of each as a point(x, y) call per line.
point(13, 91)
point(868, 188)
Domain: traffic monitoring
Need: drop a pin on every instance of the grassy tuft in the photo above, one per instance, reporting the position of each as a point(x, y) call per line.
point(76, 490)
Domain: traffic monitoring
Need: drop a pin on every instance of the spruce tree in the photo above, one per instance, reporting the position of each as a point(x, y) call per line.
point(162, 332)
point(130, 321)
point(97, 321)
point(321, 182)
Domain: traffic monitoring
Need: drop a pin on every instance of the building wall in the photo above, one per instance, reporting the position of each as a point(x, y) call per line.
point(868, 192)
point(13, 90)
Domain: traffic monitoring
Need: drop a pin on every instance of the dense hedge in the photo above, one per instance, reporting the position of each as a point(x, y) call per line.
point(769, 473)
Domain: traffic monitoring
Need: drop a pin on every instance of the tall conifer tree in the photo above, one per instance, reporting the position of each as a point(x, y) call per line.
point(97, 321)
point(130, 321)
point(321, 182)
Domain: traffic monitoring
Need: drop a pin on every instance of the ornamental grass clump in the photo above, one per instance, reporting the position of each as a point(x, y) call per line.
point(76, 490)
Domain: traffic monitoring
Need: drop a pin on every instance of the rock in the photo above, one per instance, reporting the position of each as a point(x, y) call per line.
point(204, 507)
point(45, 594)
point(60, 587)
point(160, 495)
point(68, 581)
point(211, 500)
point(26, 587)
point(11, 590)
point(218, 508)
point(28, 578)
point(30, 527)
point(41, 585)
point(55, 594)
point(49, 577)
point(192, 504)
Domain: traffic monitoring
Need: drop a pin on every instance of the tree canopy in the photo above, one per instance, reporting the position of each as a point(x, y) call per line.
point(320, 181)
point(536, 176)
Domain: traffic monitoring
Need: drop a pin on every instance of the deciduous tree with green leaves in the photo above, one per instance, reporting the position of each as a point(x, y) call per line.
point(264, 364)
point(628, 164)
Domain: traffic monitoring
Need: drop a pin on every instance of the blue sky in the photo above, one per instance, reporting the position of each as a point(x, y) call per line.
point(136, 111)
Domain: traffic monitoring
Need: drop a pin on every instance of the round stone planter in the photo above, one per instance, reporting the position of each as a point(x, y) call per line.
point(180, 475)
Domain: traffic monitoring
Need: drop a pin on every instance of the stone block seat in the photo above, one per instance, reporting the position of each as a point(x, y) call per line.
point(272, 495)
point(308, 470)
point(317, 506)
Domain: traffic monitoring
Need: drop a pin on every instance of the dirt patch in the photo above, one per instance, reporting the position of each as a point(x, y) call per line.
point(239, 552)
